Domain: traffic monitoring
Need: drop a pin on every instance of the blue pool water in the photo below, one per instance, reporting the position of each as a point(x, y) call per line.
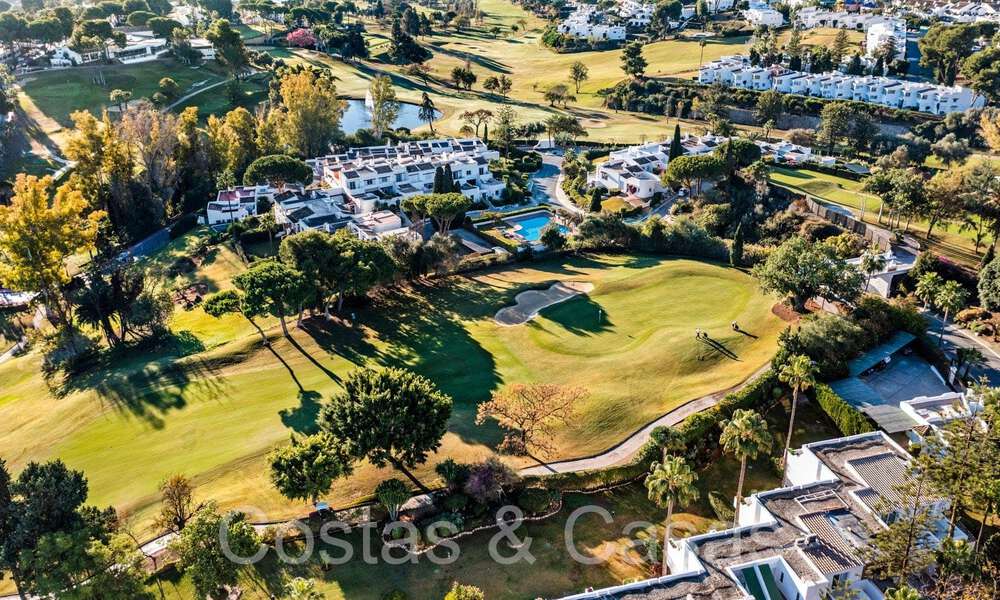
point(530, 226)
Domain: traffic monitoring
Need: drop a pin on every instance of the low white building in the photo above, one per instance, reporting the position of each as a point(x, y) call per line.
point(237, 203)
point(736, 71)
point(587, 22)
point(966, 12)
point(204, 47)
point(798, 541)
point(141, 46)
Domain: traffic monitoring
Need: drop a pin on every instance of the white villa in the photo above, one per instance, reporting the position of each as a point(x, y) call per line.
point(236, 204)
point(879, 33)
point(811, 17)
point(763, 16)
point(795, 542)
point(635, 171)
point(736, 71)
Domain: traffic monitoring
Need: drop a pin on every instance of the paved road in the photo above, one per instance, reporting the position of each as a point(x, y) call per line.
point(627, 449)
point(956, 337)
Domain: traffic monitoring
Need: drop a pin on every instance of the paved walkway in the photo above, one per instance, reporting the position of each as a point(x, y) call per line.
point(625, 450)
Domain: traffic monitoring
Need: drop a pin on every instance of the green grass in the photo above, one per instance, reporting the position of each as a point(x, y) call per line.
point(949, 239)
point(554, 573)
point(213, 402)
point(50, 97)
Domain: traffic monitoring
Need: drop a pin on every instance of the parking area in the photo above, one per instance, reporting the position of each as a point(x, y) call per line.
point(905, 377)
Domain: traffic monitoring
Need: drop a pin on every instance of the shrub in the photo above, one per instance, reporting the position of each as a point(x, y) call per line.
point(971, 314)
point(183, 225)
point(455, 503)
point(848, 419)
point(489, 480)
point(395, 595)
point(535, 500)
point(721, 506)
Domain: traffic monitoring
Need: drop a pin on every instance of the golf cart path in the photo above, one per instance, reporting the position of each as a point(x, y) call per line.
point(626, 449)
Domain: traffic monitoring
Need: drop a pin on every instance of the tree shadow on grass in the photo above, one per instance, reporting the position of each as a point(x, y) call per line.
point(579, 315)
point(302, 419)
point(153, 389)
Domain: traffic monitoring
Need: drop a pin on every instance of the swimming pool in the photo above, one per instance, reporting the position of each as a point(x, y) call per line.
point(530, 226)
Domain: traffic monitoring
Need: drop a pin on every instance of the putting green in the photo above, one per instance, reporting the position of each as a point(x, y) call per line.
point(215, 413)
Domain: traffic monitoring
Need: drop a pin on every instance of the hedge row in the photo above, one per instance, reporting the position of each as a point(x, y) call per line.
point(849, 420)
point(696, 430)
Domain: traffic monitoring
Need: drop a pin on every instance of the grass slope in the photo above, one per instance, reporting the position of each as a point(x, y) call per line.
point(213, 401)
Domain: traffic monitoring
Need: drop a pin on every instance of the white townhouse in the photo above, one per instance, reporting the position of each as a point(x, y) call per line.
point(813, 16)
point(387, 174)
point(879, 33)
point(736, 71)
point(237, 203)
point(637, 14)
point(967, 12)
point(798, 541)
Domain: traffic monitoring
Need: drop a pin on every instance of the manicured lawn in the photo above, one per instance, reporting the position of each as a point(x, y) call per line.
point(823, 36)
point(214, 401)
point(948, 240)
point(54, 95)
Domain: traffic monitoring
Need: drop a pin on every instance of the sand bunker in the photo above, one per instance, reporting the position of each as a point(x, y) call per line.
point(529, 303)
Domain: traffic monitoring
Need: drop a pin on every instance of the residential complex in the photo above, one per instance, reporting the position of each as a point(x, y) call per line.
point(797, 541)
point(140, 46)
point(759, 14)
point(354, 190)
point(737, 71)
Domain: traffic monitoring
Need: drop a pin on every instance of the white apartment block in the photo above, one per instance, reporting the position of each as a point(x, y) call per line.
point(966, 12)
point(237, 203)
point(387, 174)
point(798, 541)
point(736, 71)
point(812, 17)
point(586, 22)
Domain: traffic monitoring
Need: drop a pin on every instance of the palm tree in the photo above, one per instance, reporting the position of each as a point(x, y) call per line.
point(872, 261)
point(927, 287)
point(800, 374)
point(950, 297)
point(745, 436)
point(428, 111)
point(967, 357)
point(669, 439)
point(668, 484)
point(302, 589)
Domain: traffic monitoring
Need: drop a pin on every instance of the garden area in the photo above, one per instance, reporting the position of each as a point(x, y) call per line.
point(212, 400)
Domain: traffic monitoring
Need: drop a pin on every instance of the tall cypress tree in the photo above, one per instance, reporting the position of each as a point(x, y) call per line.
point(736, 252)
point(438, 181)
point(675, 145)
point(447, 180)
